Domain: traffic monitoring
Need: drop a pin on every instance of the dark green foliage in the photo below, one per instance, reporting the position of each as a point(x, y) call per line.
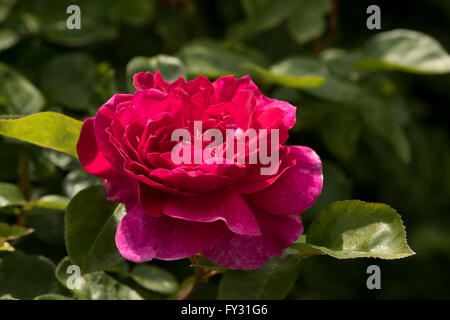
point(373, 104)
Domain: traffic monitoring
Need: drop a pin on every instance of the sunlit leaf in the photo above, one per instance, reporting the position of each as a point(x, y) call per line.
point(214, 60)
point(294, 72)
point(404, 50)
point(356, 229)
point(52, 201)
point(46, 129)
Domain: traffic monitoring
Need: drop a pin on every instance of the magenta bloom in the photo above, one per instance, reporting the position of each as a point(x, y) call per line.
point(230, 212)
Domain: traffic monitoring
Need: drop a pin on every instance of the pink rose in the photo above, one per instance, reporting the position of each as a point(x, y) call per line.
point(230, 212)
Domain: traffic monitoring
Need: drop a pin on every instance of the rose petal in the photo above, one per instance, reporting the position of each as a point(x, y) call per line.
point(236, 251)
point(143, 80)
point(150, 104)
point(214, 206)
point(121, 189)
point(289, 111)
point(141, 237)
point(297, 189)
point(243, 108)
point(102, 124)
point(91, 159)
point(227, 87)
point(190, 181)
point(150, 199)
point(253, 181)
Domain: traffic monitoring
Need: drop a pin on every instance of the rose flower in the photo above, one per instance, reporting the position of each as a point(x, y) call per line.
point(233, 212)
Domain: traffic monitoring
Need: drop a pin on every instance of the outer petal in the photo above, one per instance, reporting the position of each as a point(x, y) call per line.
point(214, 206)
point(141, 237)
point(102, 127)
point(288, 117)
point(246, 252)
point(147, 80)
point(143, 80)
point(297, 189)
point(121, 189)
point(92, 160)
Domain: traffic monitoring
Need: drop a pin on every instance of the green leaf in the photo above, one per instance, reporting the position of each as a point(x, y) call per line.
point(379, 117)
point(215, 60)
point(272, 281)
point(52, 296)
point(98, 21)
point(309, 21)
point(61, 160)
point(204, 263)
point(91, 223)
point(8, 38)
point(10, 195)
point(154, 278)
point(340, 131)
point(170, 67)
point(355, 229)
point(95, 286)
point(48, 224)
point(5, 246)
point(336, 89)
point(376, 111)
point(5, 8)
point(184, 288)
point(78, 180)
point(404, 50)
point(75, 80)
point(46, 129)
point(17, 94)
point(52, 201)
point(294, 72)
point(339, 61)
point(265, 14)
point(136, 13)
point(105, 86)
point(11, 232)
point(25, 277)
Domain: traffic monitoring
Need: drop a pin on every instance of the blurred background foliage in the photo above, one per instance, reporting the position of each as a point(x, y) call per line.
point(382, 134)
